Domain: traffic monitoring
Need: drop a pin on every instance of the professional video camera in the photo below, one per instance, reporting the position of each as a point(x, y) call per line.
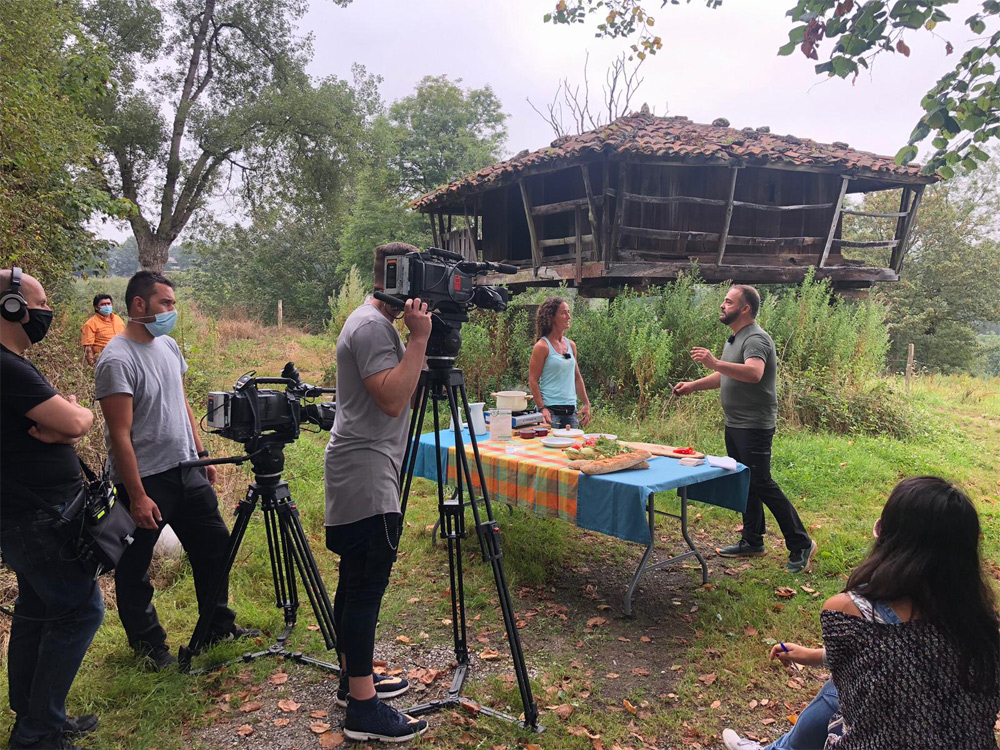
point(446, 282)
point(247, 412)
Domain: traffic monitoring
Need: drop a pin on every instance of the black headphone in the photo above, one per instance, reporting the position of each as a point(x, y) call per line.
point(12, 302)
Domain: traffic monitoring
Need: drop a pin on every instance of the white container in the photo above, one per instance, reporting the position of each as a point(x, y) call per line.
point(478, 420)
point(513, 400)
point(500, 424)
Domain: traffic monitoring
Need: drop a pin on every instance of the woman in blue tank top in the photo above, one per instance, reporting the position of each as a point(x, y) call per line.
point(553, 371)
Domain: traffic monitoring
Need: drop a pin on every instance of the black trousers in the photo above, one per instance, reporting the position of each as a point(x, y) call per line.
point(367, 550)
point(753, 449)
point(188, 503)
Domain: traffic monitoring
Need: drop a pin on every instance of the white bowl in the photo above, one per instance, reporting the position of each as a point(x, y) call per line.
point(568, 433)
point(556, 442)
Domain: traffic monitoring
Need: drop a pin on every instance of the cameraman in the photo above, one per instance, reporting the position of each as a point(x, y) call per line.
point(376, 379)
point(150, 429)
point(59, 605)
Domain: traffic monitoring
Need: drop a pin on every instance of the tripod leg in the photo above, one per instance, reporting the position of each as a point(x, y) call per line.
point(201, 629)
point(410, 455)
point(297, 547)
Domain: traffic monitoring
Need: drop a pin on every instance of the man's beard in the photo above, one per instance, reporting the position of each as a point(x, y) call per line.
point(726, 319)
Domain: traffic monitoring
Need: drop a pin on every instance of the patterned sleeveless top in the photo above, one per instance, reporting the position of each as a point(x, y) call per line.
point(899, 687)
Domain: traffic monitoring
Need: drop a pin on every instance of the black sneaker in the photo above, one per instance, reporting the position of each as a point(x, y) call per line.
point(742, 549)
point(157, 658)
point(75, 726)
point(385, 687)
point(800, 560)
point(235, 633)
point(374, 720)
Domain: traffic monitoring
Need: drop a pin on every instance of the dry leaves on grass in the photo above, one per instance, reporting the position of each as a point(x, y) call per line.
point(278, 678)
point(318, 714)
point(749, 630)
point(707, 679)
point(281, 722)
point(785, 592)
point(331, 740)
point(425, 676)
point(402, 639)
point(245, 730)
point(596, 622)
point(629, 707)
point(583, 732)
point(251, 706)
point(318, 727)
point(289, 706)
point(489, 654)
point(563, 711)
point(640, 672)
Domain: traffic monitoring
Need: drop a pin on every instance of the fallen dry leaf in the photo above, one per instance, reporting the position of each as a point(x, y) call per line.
point(489, 654)
point(753, 704)
point(281, 722)
point(765, 722)
point(716, 704)
point(245, 730)
point(792, 718)
point(708, 679)
point(612, 676)
point(564, 711)
point(318, 727)
point(645, 639)
point(596, 622)
point(640, 672)
point(331, 740)
point(808, 590)
point(402, 639)
point(312, 627)
point(629, 707)
point(749, 630)
point(278, 678)
point(251, 706)
point(785, 592)
point(289, 706)
point(317, 714)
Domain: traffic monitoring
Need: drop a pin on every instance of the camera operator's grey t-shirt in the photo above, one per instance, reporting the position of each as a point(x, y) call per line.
point(151, 374)
point(750, 405)
point(366, 445)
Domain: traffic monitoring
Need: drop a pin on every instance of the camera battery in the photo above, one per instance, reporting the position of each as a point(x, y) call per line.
point(219, 414)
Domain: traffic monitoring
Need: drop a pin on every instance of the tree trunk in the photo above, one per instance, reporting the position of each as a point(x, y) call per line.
point(153, 252)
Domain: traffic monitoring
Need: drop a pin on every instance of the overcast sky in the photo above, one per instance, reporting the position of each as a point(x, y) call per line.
point(714, 63)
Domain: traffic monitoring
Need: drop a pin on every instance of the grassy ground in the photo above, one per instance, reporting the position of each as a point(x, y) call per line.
point(691, 661)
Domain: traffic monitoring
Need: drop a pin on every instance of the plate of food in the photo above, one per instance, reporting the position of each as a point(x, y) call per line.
point(603, 456)
point(556, 442)
point(568, 432)
point(595, 435)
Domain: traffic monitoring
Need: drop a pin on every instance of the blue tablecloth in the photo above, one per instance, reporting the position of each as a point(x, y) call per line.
point(615, 504)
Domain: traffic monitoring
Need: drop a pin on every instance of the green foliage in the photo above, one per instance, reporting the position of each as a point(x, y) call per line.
point(210, 91)
point(989, 346)
point(51, 73)
point(444, 131)
point(495, 350)
point(950, 272)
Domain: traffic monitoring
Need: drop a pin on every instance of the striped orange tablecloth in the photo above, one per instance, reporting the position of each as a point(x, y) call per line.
point(534, 477)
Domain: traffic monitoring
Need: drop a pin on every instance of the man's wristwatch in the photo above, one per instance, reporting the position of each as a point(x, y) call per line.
point(202, 454)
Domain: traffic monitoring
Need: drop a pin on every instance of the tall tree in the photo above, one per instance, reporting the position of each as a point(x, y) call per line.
point(444, 131)
point(962, 110)
point(951, 270)
point(50, 71)
point(212, 96)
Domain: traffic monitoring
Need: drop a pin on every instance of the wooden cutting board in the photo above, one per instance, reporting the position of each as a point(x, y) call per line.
point(663, 450)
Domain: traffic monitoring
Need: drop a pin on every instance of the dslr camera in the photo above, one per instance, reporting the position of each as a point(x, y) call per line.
point(248, 412)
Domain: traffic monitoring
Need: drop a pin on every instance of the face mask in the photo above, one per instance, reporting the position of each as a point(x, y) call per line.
point(164, 323)
point(105, 309)
point(37, 325)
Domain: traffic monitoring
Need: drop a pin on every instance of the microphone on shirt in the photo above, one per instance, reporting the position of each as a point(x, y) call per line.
point(731, 339)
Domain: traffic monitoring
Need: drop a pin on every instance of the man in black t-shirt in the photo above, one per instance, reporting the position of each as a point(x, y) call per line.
point(59, 606)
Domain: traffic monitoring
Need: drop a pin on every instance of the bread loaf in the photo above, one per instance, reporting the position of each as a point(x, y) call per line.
point(634, 460)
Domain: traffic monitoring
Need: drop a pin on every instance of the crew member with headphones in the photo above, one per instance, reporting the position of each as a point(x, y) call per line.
point(59, 607)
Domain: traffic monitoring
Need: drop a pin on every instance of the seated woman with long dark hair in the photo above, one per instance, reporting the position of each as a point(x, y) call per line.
point(913, 643)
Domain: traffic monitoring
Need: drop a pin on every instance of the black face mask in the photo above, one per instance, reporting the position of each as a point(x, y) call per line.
point(37, 325)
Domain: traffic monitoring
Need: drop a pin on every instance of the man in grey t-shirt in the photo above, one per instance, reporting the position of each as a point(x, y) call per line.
point(746, 376)
point(150, 429)
point(376, 379)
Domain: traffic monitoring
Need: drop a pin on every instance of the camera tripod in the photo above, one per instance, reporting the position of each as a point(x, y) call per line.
point(446, 383)
point(289, 552)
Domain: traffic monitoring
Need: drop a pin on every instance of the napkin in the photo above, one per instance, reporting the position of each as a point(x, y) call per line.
point(722, 462)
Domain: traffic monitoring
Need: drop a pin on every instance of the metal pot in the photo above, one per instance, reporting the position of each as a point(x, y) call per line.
point(513, 400)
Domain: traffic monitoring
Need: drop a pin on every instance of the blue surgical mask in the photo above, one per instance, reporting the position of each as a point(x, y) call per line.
point(164, 323)
point(105, 309)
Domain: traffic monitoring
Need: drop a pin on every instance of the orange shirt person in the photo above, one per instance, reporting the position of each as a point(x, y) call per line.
point(103, 326)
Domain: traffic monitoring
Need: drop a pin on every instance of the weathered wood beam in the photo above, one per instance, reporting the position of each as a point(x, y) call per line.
point(434, 232)
point(609, 256)
point(578, 221)
point(536, 251)
point(895, 179)
point(587, 238)
point(872, 215)
point(727, 220)
point(907, 228)
point(441, 231)
point(768, 241)
point(833, 222)
point(608, 193)
point(560, 207)
point(669, 234)
point(769, 207)
point(904, 207)
point(472, 237)
point(668, 199)
point(875, 243)
point(595, 227)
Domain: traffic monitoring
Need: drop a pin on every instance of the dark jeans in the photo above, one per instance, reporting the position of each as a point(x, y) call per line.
point(188, 503)
point(753, 449)
point(366, 558)
point(44, 657)
point(564, 417)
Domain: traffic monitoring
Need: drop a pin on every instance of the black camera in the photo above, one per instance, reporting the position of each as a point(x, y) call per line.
point(446, 282)
point(247, 412)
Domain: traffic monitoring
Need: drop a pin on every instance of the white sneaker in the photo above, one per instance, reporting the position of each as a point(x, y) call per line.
point(733, 741)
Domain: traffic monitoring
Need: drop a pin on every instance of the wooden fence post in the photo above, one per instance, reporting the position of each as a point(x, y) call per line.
point(279, 313)
point(909, 367)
